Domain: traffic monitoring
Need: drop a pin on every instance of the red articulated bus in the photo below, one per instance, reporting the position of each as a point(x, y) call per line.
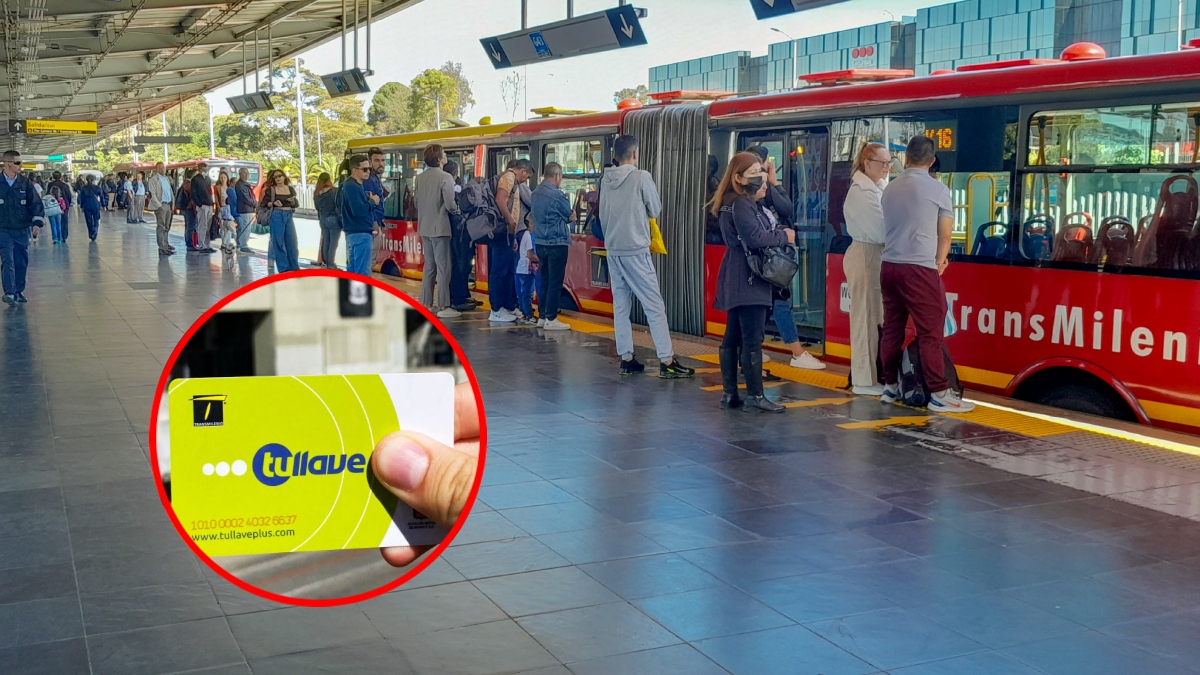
point(1075, 266)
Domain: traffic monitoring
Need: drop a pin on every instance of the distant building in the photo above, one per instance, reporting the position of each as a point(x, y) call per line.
point(943, 36)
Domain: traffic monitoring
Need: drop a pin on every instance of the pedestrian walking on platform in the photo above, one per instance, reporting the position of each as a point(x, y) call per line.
point(91, 202)
point(247, 205)
point(280, 198)
point(325, 197)
point(435, 201)
point(202, 198)
point(356, 207)
point(918, 219)
point(862, 263)
point(628, 200)
point(21, 214)
point(54, 206)
point(552, 214)
point(68, 196)
point(746, 299)
point(502, 268)
point(161, 202)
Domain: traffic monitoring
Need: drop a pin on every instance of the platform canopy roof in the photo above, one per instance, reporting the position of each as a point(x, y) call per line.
point(117, 61)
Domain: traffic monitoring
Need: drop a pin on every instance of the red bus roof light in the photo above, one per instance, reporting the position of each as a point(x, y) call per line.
point(943, 71)
point(853, 75)
point(1192, 44)
point(690, 95)
point(1083, 51)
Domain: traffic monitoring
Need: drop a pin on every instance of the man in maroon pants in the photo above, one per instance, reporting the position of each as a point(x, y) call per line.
point(918, 217)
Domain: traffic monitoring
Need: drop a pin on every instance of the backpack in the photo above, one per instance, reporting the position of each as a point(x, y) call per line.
point(477, 202)
point(913, 389)
point(50, 206)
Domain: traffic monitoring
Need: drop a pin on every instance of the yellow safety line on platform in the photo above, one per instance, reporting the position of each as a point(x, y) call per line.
point(816, 378)
point(1076, 425)
point(817, 402)
point(1015, 422)
point(707, 371)
point(889, 422)
point(581, 326)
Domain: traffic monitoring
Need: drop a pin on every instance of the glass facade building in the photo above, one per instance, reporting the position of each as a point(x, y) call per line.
point(945, 36)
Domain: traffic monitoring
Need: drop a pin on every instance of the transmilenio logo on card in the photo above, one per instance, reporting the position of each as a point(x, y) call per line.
point(208, 410)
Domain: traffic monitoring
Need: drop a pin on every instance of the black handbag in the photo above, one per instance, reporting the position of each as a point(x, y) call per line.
point(774, 264)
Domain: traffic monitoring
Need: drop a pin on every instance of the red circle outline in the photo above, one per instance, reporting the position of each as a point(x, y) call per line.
point(285, 599)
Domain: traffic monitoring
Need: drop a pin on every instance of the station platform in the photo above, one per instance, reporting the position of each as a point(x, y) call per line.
point(626, 525)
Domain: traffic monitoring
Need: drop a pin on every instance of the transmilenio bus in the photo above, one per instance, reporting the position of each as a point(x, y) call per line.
point(1075, 275)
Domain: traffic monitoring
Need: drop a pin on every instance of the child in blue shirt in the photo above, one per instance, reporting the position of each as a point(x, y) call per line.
point(527, 271)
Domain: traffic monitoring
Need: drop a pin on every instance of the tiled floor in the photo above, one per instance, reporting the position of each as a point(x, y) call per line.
point(625, 526)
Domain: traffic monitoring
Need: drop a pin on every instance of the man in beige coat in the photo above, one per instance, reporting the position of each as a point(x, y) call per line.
point(160, 193)
point(435, 202)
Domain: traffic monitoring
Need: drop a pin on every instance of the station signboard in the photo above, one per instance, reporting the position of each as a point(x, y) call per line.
point(52, 127)
point(610, 29)
point(766, 9)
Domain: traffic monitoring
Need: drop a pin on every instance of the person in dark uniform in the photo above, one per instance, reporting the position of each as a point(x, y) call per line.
point(91, 200)
point(20, 210)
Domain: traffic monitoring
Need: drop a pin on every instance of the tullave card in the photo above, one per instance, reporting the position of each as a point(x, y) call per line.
point(282, 464)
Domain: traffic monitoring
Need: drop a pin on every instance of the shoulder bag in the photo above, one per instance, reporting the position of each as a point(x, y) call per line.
point(774, 264)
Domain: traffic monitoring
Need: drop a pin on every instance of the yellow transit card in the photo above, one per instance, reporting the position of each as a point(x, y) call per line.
point(281, 464)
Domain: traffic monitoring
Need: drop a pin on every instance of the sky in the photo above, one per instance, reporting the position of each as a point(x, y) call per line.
point(434, 31)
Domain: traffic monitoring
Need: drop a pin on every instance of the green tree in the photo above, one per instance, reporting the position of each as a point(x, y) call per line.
point(641, 93)
point(445, 90)
point(388, 113)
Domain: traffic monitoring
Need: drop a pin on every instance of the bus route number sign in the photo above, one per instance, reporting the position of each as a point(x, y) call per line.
point(944, 136)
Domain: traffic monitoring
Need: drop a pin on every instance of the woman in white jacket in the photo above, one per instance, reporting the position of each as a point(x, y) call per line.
point(864, 224)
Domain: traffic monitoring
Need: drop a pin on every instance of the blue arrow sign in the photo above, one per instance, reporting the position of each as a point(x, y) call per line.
point(626, 26)
point(540, 46)
point(495, 52)
point(766, 9)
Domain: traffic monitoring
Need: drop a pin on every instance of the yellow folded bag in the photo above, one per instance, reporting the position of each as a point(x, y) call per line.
point(657, 245)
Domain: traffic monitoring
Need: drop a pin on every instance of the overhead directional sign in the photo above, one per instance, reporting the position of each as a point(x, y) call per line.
point(52, 127)
point(765, 9)
point(154, 140)
point(615, 28)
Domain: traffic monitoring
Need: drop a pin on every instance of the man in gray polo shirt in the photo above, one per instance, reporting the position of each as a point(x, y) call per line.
point(918, 217)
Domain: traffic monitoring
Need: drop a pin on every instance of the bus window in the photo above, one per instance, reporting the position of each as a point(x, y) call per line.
point(581, 162)
point(976, 152)
point(502, 156)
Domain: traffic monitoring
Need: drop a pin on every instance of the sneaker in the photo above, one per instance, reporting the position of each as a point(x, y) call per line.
point(501, 316)
point(873, 390)
point(891, 393)
point(246, 250)
point(465, 307)
point(949, 401)
point(9, 299)
point(807, 361)
point(675, 370)
point(555, 324)
point(541, 323)
point(630, 367)
point(21, 297)
point(449, 313)
point(166, 252)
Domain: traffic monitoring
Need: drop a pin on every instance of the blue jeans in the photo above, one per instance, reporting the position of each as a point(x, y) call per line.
point(785, 321)
point(331, 231)
point(284, 249)
point(92, 216)
point(358, 253)
point(189, 228)
point(14, 259)
point(502, 270)
point(55, 227)
point(526, 283)
point(243, 230)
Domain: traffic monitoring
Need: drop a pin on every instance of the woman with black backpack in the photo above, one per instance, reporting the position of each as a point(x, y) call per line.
point(746, 297)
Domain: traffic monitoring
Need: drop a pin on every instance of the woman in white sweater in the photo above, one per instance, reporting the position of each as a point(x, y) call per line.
point(864, 224)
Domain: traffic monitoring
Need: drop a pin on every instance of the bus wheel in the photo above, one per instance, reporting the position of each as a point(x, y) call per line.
point(566, 302)
point(1076, 390)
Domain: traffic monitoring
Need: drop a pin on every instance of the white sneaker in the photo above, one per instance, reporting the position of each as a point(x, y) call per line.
point(449, 313)
point(555, 324)
point(873, 390)
point(891, 393)
point(807, 361)
point(501, 316)
point(949, 401)
point(541, 323)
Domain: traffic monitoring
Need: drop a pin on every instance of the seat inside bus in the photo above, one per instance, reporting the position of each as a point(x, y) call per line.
point(1166, 242)
point(1074, 240)
point(1114, 242)
point(991, 241)
point(1037, 237)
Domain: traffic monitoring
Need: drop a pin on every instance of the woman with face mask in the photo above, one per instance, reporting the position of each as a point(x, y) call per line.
point(746, 298)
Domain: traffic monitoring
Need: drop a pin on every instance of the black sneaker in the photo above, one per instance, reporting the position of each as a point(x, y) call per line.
point(675, 370)
point(21, 297)
point(630, 367)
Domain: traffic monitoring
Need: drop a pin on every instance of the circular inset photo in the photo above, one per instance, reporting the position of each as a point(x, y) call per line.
point(319, 437)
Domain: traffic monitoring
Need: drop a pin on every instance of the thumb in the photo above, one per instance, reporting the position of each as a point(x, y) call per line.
point(433, 478)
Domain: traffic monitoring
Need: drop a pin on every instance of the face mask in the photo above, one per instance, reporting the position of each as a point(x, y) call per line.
point(753, 185)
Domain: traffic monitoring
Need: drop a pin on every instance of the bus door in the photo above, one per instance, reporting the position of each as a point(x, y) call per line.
point(498, 158)
point(808, 152)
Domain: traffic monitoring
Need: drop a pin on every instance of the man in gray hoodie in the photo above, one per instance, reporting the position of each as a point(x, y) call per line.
point(628, 200)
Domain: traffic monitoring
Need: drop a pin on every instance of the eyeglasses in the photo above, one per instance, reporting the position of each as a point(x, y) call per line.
point(362, 168)
point(880, 161)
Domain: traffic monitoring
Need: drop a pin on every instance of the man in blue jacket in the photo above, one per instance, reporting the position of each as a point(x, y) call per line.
point(20, 210)
point(551, 213)
point(375, 188)
point(358, 209)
